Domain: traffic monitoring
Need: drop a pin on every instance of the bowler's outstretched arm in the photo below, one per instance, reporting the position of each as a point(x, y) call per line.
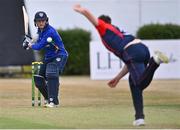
point(86, 13)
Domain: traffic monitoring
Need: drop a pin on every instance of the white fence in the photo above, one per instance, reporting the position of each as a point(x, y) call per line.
point(105, 65)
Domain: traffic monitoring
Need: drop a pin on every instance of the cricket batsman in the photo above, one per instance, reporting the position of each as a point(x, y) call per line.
point(55, 58)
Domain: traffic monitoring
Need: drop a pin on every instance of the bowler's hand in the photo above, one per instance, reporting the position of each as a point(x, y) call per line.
point(112, 83)
point(78, 8)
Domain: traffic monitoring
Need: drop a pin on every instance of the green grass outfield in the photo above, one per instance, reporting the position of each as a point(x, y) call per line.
point(87, 104)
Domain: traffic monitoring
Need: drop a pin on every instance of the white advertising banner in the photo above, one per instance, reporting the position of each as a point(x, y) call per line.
point(105, 65)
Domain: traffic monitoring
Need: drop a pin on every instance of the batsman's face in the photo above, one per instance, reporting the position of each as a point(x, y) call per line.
point(41, 24)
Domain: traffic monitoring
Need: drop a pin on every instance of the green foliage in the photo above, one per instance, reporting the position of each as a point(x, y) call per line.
point(159, 31)
point(76, 42)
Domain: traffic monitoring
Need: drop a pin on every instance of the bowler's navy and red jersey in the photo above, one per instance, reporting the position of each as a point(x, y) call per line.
point(113, 39)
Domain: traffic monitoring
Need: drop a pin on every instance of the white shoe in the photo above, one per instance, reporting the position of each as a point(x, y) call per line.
point(50, 105)
point(139, 122)
point(160, 57)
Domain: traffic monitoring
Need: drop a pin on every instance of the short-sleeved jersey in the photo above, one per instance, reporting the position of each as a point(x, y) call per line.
point(52, 49)
point(113, 39)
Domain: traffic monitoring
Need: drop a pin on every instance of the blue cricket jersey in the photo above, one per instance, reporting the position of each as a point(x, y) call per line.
point(52, 49)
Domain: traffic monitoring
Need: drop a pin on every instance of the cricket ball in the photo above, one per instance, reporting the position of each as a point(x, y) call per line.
point(49, 39)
